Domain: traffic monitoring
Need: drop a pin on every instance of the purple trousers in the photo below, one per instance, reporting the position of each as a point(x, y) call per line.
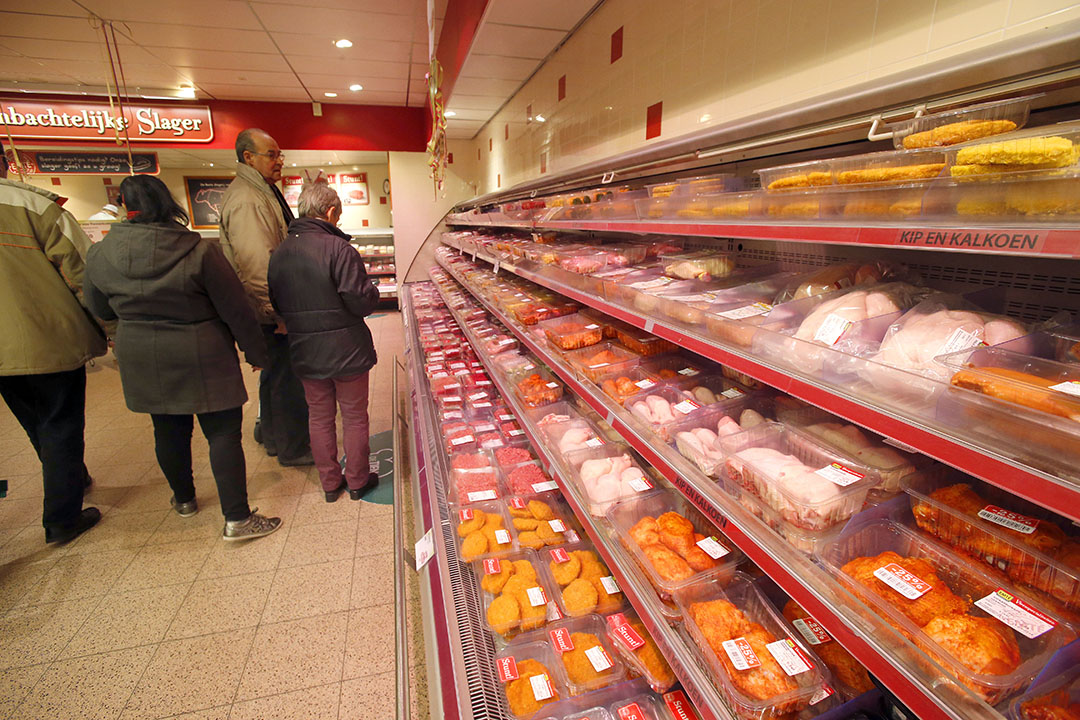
point(323, 399)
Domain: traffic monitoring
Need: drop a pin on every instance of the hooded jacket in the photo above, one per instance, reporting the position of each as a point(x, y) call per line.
point(252, 226)
point(180, 308)
point(319, 285)
point(43, 326)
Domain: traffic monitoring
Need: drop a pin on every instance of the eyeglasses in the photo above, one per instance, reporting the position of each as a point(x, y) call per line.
point(272, 154)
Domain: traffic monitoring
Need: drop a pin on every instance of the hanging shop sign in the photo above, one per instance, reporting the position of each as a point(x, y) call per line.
point(204, 196)
point(84, 163)
point(291, 185)
point(46, 120)
point(353, 189)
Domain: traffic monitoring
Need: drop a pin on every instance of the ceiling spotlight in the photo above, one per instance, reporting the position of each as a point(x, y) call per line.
point(705, 118)
point(211, 164)
point(356, 87)
point(451, 113)
point(540, 118)
point(330, 94)
point(294, 164)
point(343, 43)
point(186, 92)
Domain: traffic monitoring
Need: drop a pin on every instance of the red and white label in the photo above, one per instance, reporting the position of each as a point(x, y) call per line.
point(789, 657)
point(632, 711)
point(712, 547)
point(741, 655)
point(502, 537)
point(599, 658)
point(560, 640)
point(832, 329)
point(1017, 614)
point(903, 582)
point(811, 631)
point(481, 495)
point(557, 525)
point(439, 374)
point(506, 668)
point(545, 486)
point(1070, 387)
point(610, 586)
point(465, 515)
point(839, 474)
point(747, 311)
point(679, 706)
point(1012, 521)
point(639, 484)
point(492, 566)
point(536, 596)
point(452, 399)
point(626, 634)
point(824, 692)
point(517, 503)
point(559, 555)
point(541, 687)
point(685, 407)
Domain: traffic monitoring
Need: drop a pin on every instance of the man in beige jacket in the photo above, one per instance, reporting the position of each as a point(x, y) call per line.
point(254, 221)
point(46, 338)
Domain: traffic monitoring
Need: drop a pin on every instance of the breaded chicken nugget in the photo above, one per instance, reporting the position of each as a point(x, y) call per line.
point(469, 526)
point(549, 536)
point(660, 673)
point(580, 597)
point(503, 614)
point(606, 602)
point(494, 583)
point(530, 539)
point(579, 669)
point(519, 693)
point(541, 510)
point(519, 512)
point(475, 545)
point(493, 521)
point(517, 583)
point(525, 523)
point(532, 616)
point(565, 572)
point(525, 569)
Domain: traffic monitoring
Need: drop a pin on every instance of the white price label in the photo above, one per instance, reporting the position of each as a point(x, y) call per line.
point(486, 427)
point(686, 406)
point(747, 311)
point(481, 495)
point(907, 584)
point(515, 432)
point(1072, 387)
point(591, 326)
point(960, 339)
point(1016, 613)
point(645, 384)
point(688, 371)
point(788, 657)
point(1012, 521)
point(832, 329)
point(821, 694)
point(732, 393)
point(696, 297)
point(536, 596)
point(478, 396)
point(610, 586)
point(424, 549)
point(541, 687)
point(599, 659)
point(594, 442)
point(553, 384)
point(839, 474)
point(495, 268)
point(650, 284)
point(811, 631)
point(639, 484)
point(502, 537)
point(741, 655)
point(545, 486)
point(557, 525)
point(712, 547)
point(462, 440)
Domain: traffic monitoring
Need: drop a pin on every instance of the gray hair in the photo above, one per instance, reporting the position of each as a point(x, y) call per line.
point(245, 142)
point(316, 199)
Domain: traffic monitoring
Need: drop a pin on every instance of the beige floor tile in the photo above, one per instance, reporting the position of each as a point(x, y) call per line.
point(217, 713)
point(220, 604)
point(295, 655)
point(367, 697)
point(79, 576)
point(37, 634)
point(266, 481)
point(313, 508)
point(369, 649)
point(376, 534)
point(97, 686)
point(317, 703)
point(15, 684)
point(17, 578)
point(158, 565)
point(369, 509)
point(373, 581)
point(237, 558)
point(108, 499)
point(17, 512)
point(127, 619)
point(27, 544)
point(25, 486)
point(323, 542)
point(205, 525)
point(23, 463)
point(144, 498)
point(118, 532)
point(307, 590)
point(142, 472)
point(191, 674)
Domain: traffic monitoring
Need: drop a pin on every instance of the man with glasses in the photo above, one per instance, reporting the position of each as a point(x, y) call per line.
point(254, 221)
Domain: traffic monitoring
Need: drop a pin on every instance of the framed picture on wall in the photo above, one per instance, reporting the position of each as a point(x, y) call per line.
point(353, 188)
point(291, 185)
point(204, 196)
point(112, 195)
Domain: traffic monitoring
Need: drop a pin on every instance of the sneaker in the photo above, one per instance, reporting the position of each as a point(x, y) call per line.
point(88, 518)
point(185, 509)
point(298, 461)
point(372, 481)
point(255, 526)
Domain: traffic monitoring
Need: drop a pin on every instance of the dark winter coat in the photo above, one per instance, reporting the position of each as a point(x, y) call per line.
point(319, 285)
point(181, 308)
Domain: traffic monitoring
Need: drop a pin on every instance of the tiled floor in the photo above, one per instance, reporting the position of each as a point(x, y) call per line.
point(150, 615)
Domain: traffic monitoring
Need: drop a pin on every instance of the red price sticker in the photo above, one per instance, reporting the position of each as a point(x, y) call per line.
point(517, 503)
point(559, 555)
point(907, 584)
point(741, 655)
point(811, 631)
point(1012, 521)
point(625, 632)
point(492, 566)
point(560, 640)
point(632, 711)
point(465, 515)
point(679, 706)
point(506, 668)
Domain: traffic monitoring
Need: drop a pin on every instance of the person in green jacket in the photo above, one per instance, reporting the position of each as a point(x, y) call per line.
point(46, 338)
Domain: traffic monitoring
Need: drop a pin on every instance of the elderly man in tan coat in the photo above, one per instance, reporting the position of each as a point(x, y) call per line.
point(254, 221)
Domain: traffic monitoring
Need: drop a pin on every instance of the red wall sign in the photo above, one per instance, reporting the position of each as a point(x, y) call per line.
point(48, 120)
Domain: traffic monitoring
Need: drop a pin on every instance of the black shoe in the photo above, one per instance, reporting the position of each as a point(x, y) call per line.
point(372, 481)
point(333, 495)
point(88, 518)
point(298, 461)
point(257, 432)
point(271, 451)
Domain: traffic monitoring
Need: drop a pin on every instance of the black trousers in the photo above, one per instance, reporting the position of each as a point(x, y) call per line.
point(172, 442)
point(283, 411)
point(51, 408)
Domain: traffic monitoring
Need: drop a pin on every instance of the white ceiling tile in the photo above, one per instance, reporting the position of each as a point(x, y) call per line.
point(29, 70)
point(514, 41)
point(466, 115)
point(47, 27)
point(239, 76)
point(202, 38)
point(256, 92)
point(420, 52)
point(498, 66)
point(87, 51)
point(556, 14)
point(322, 45)
point(356, 26)
point(486, 86)
point(364, 98)
point(340, 84)
point(221, 59)
point(396, 7)
point(211, 13)
point(66, 8)
point(359, 69)
point(475, 102)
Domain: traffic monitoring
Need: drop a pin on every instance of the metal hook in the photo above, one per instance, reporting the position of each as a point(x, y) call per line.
point(608, 177)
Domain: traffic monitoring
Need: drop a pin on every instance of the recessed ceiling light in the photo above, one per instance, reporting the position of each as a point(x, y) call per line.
point(343, 43)
point(356, 87)
point(330, 94)
point(705, 118)
point(540, 118)
point(294, 164)
point(451, 113)
point(211, 164)
point(186, 92)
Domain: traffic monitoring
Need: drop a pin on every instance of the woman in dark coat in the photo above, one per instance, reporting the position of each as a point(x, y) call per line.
point(319, 285)
point(181, 311)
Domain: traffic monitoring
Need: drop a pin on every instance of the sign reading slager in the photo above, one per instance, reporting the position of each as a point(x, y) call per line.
point(45, 120)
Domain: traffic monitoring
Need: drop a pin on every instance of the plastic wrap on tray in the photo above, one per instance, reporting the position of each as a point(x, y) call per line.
point(1022, 540)
point(538, 388)
point(811, 485)
point(710, 389)
point(989, 637)
point(530, 679)
point(512, 454)
point(849, 674)
point(698, 265)
point(572, 331)
point(672, 541)
point(797, 175)
point(582, 582)
point(698, 437)
point(515, 606)
point(540, 519)
point(760, 668)
point(607, 474)
point(892, 167)
point(587, 660)
point(621, 385)
point(675, 367)
point(635, 645)
point(583, 261)
point(484, 530)
point(641, 342)
point(474, 485)
point(662, 407)
point(957, 126)
point(1056, 698)
point(602, 359)
point(526, 478)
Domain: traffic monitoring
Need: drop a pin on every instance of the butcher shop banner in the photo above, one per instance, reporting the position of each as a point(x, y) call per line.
point(46, 120)
point(84, 163)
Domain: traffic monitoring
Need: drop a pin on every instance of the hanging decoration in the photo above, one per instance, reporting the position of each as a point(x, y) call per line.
point(436, 146)
point(111, 52)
